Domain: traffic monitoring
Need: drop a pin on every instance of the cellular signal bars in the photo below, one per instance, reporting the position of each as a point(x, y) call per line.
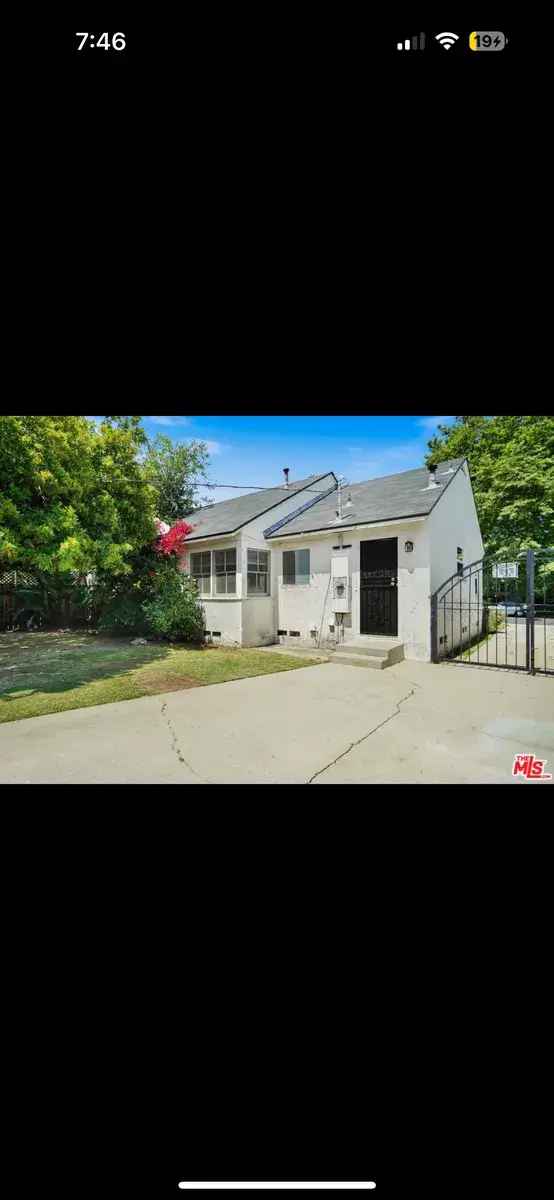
point(414, 44)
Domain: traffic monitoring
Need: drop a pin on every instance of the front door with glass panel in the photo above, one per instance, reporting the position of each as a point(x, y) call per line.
point(378, 587)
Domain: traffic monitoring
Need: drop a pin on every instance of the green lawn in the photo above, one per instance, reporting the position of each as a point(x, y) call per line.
point(50, 672)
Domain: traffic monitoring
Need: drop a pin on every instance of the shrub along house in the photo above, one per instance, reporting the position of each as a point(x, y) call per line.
point(315, 564)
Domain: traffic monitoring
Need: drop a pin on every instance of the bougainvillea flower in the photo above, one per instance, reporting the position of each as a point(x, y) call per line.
point(172, 542)
point(161, 526)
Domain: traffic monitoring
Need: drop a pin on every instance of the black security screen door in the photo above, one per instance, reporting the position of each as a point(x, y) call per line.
point(378, 587)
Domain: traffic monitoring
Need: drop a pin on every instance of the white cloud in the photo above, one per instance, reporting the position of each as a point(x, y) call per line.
point(374, 462)
point(169, 420)
point(430, 424)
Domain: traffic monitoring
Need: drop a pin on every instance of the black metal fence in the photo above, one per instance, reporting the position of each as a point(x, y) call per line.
point(490, 614)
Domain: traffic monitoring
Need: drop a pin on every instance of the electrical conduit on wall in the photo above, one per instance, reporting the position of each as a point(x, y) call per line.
point(324, 607)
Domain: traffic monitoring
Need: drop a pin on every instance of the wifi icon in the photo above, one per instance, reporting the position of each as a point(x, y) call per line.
point(447, 39)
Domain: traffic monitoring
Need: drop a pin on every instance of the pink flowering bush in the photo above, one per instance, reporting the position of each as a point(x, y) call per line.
point(171, 541)
point(158, 598)
point(161, 526)
point(173, 609)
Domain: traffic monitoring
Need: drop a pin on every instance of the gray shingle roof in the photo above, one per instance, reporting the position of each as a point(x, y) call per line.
point(386, 499)
point(229, 515)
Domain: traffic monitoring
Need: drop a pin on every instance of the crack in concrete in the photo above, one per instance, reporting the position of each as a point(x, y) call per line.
point(419, 686)
point(364, 738)
point(176, 747)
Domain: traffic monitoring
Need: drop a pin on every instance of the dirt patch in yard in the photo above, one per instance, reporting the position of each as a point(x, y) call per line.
point(155, 682)
point(43, 673)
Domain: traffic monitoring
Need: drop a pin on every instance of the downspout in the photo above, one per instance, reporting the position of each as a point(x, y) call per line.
point(327, 595)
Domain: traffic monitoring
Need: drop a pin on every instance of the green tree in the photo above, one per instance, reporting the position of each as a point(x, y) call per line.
point(175, 469)
point(132, 425)
point(73, 497)
point(174, 609)
point(511, 461)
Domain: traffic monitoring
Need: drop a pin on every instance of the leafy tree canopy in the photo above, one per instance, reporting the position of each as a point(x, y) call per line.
point(174, 469)
point(511, 461)
point(73, 497)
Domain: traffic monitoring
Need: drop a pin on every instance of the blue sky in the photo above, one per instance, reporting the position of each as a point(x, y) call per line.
point(253, 450)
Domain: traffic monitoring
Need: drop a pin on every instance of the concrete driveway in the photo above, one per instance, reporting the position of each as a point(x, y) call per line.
point(413, 723)
point(508, 646)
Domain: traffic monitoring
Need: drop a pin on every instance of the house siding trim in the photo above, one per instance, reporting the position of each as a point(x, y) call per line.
point(334, 530)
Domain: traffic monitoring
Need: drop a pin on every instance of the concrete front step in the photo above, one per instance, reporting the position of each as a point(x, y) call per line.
point(378, 662)
point(380, 653)
point(355, 648)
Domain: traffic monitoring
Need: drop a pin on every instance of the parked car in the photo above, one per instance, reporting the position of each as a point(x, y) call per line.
point(512, 608)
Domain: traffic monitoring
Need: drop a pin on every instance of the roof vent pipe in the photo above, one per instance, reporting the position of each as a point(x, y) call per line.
point(432, 474)
point(286, 474)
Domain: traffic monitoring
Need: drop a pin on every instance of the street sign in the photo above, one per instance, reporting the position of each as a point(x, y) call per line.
point(505, 570)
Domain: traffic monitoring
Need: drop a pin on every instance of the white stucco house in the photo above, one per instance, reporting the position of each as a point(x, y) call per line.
point(313, 563)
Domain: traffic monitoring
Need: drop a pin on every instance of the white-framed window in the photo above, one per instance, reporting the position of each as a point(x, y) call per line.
point(296, 566)
point(257, 569)
point(225, 568)
point(201, 571)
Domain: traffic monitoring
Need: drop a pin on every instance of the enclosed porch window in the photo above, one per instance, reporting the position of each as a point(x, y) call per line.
point(201, 571)
point(225, 566)
point(258, 572)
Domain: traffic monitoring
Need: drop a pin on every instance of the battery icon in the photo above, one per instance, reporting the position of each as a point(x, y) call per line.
point(487, 40)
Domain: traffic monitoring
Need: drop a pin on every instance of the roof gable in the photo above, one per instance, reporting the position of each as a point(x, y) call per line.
point(390, 498)
point(228, 516)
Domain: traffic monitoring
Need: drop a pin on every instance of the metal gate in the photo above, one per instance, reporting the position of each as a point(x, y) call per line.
point(490, 614)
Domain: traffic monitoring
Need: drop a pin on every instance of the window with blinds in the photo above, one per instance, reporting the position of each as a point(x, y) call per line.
point(200, 569)
point(258, 572)
point(225, 569)
point(296, 566)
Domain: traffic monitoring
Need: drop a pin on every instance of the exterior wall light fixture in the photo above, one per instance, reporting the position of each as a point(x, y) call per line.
point(408, 546)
